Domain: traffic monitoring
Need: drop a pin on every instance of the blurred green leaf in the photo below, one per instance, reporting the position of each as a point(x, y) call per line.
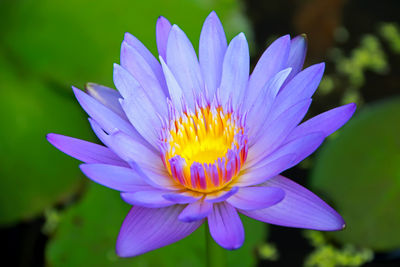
point(34, 175)
point(77, 41)
point(359, 171)
point(87, 234)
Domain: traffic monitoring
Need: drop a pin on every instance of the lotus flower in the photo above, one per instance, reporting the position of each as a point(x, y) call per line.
point(191, 140)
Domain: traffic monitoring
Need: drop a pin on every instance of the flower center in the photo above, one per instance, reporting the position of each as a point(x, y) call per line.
point(204, 150)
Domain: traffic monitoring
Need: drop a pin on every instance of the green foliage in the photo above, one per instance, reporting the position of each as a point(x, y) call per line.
point(326, 255)
point(359, 171)
point(87, 233)
point(391, 33)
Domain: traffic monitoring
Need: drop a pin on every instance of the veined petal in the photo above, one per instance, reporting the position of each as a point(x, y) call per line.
point(302, 86)
point(106, 96)
point(327, 122)
point(107, 119)
point(138, 67)
point(147, 229)
point(273, 134)
point(175, 90)
point(148, 199)
point(225, 226)
point(273, 60)
point(300, 208)
point(163, 27)
point(196, 211)
point(297, 54)
point(84, 151)
point(148, 56)
point(115, 177)
point(137, 106)
point(235, 70)
point(182, 61)
point(257, 197)
point(212, 49)
point(265, 170)
point(259, 110)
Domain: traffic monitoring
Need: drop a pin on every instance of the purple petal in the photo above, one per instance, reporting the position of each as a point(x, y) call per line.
point(300, 208)
point(182, 61)
point(117, 178)
point(84, 151)
point(265, 170)
point(156, 178)
point(137, 106)
point(132, 151)
point(235, 70)
point(327, 122)
point(302, 147)
point(106, 96)
point(148, 199)
point(260, 109)
point(137, 66)
point(196, 211)
point(175, 91)
point(182, 197)
point(212, 49)
point(254, 198)
point(163, 27)
point(273, 134)
point(148, 56)
point(146, 229)
point(297, 55)
point(302, 86)
point(225, 226)
point(221, 195)
point(273, 60)
point(107, 119)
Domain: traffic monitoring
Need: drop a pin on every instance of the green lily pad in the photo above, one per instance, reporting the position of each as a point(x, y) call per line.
point(359, 171)
point(87, 234)
point(35, 175)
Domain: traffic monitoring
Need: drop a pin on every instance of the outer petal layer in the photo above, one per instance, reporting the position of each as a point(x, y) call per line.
point(226, 227)
point(300, 208)
point(147, 229)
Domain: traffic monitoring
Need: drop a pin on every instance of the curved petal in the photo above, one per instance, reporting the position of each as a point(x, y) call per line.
point(212, 49)
point(148, 199)
point(182, 197)
point(84, 151)
point(107, 119)
point(266, 169)
point(302, 147)
point(106, 96)
point(225, 226)
point(114, 177)
point(147, 229)
point(235, 70)
point(221, 195)
point(157, 179)
point(196, 211)
point(302, 86)
point(273, 60)
point(259, 110)
point(273, 134)
point(327, 122)
point(182, 61)
point(297, 54)
point(137, 106)
point(300, 208)
point(148, 56)
point(137, 66)
point(175, 90)
point(258, 197)
point(163, 27)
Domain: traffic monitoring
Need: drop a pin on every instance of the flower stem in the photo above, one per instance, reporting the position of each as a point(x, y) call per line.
point(215, 255)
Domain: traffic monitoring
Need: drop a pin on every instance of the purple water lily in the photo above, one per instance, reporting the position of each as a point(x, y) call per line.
point(190, 140)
